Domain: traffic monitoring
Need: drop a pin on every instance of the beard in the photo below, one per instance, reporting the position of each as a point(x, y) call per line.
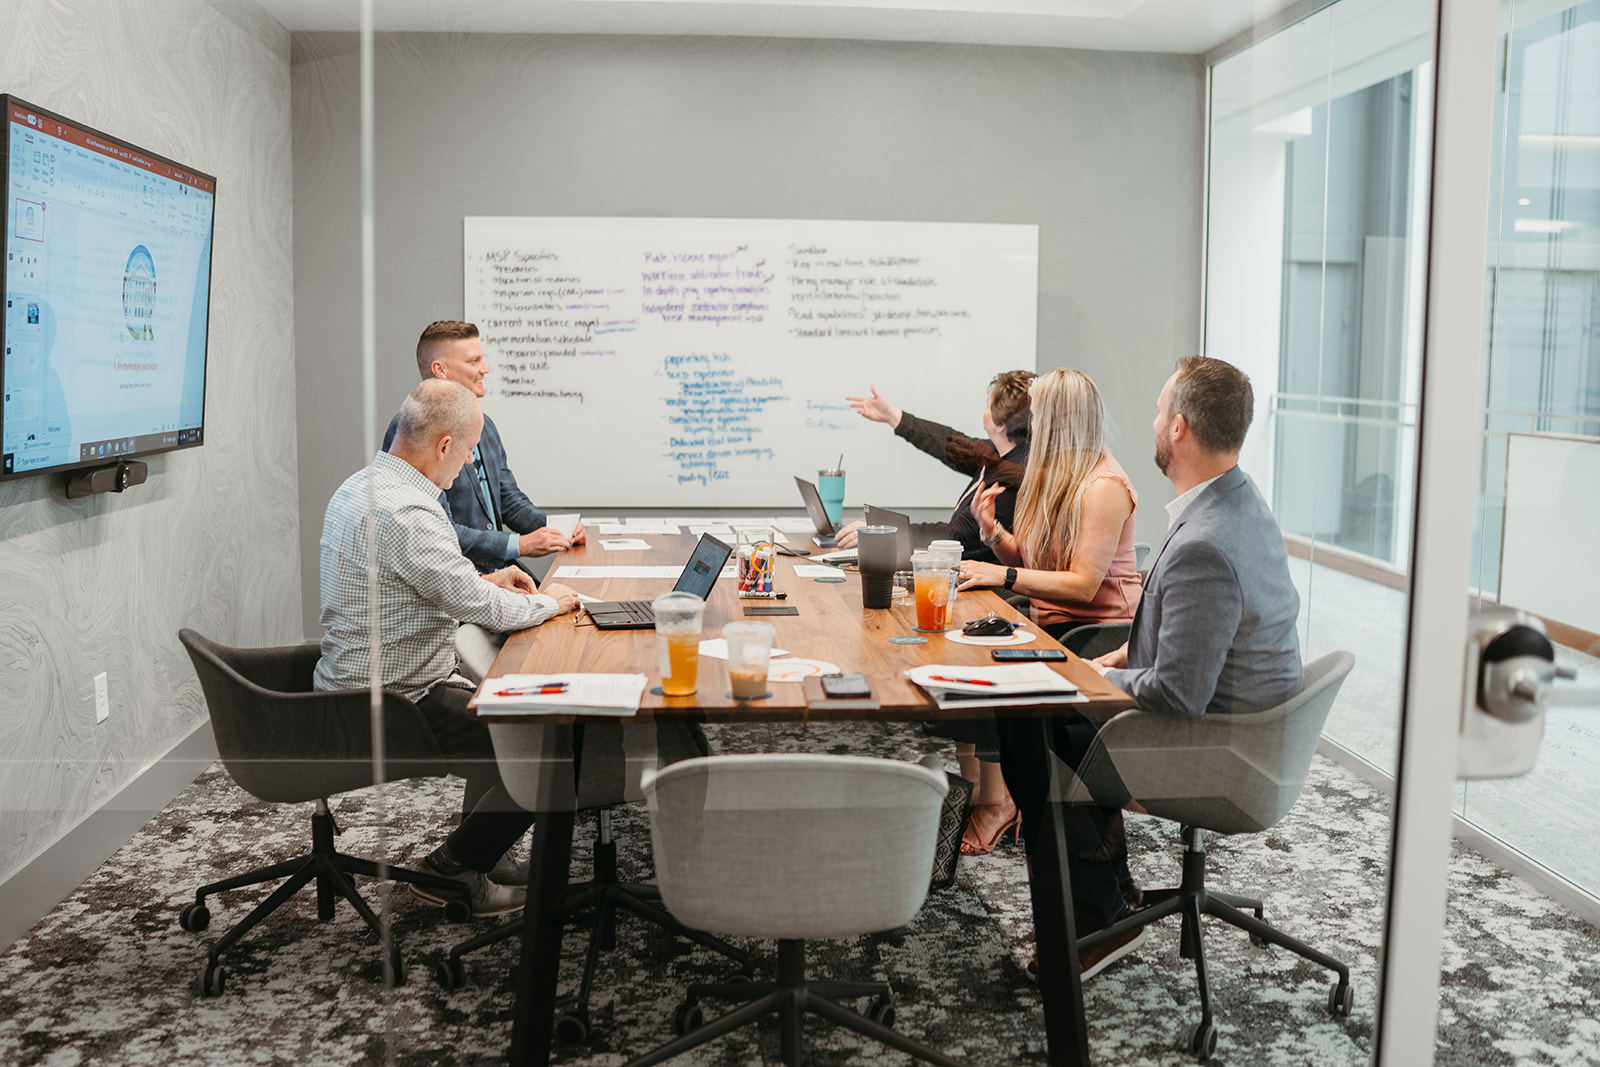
point(1163, 455)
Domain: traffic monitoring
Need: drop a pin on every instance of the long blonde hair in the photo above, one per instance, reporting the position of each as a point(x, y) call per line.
point(1068, 444)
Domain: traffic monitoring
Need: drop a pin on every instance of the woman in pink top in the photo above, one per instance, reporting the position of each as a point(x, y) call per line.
point(1072, 551)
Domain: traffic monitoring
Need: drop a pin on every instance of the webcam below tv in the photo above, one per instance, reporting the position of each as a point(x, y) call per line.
point(107, 281)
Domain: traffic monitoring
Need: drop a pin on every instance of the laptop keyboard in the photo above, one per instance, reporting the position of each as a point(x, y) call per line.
point(637, 610)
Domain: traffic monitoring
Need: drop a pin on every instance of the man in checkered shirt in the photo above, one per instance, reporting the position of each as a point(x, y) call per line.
point(426, 589)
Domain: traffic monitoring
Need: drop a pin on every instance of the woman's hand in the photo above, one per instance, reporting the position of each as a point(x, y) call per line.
point(845, 536)
point(974, 574)
point(876, 408)
point(983, 509)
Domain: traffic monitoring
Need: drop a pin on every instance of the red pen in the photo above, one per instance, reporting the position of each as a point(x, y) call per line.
point(959, 681)
point(533, 690)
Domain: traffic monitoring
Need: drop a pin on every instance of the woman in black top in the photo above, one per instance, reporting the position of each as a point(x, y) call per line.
point(1003, 453)
point(999, 457)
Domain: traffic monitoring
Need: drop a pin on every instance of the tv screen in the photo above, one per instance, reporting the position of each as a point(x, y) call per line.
point(107, 285)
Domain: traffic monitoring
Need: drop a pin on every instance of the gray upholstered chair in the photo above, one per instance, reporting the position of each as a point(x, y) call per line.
point(793, 847)
point(1229, 774)
point(1096, 638)
point(283, 742)
point(558, 767)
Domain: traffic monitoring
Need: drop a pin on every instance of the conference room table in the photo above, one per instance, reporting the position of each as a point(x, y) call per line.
point(830, 625)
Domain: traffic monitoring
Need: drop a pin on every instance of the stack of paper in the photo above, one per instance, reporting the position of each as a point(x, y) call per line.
point(994, 686)
point(562, 694)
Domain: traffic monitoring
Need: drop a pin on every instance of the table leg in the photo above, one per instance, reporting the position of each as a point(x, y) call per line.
point(1055, 933)
point(535, 976)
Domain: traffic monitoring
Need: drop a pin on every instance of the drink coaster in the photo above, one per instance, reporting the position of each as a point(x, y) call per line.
point(908, 639)
point(763, 696)
point(941, 630)
point(829, 580)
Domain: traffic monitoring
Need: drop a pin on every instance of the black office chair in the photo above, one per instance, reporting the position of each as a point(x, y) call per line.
point(597, 766)
point(1229, 774)
point(284, 742)
point(1096, 638)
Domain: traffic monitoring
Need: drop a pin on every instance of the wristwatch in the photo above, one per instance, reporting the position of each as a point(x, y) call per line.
point(1011, 576)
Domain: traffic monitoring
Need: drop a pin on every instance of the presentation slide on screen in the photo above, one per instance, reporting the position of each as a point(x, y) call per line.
point(107, 279)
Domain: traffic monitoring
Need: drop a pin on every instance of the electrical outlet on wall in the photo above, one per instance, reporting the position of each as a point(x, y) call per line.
point(102, 698)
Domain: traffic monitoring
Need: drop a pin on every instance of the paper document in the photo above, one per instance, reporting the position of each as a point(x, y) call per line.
point(767, 531)
point(717, 648)
point(994, 686)
point(562, 694)
point(624, 544)
point(815, 570)
point(639, 526)
point(801, 525)
point(569, 571)
point(565, 522)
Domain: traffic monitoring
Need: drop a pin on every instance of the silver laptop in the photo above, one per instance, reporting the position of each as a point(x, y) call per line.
point(818, 513)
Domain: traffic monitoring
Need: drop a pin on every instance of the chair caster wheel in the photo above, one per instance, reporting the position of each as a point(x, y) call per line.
point(1341, 998)
point(395, 971)
point(194, 917)
point(450, 973)
point(213, 980)
point(1260, 942)
point(1203, 1040)
point(738, 978)
point(457, 911)
point(882, 1012)
point(572, 1027)
point(687, 1018)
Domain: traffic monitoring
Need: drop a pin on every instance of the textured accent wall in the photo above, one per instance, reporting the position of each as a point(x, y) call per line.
point(1102, 150)
point(211, 540)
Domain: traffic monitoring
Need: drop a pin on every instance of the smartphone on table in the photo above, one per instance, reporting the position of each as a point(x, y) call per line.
point(1017, 655)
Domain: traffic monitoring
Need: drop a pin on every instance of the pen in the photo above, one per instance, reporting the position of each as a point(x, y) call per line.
point(959, 681)
point(533, 690)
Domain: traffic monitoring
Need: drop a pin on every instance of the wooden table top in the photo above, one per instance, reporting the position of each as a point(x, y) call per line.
point(831, 626)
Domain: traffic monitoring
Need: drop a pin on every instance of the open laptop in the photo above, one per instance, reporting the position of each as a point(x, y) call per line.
point(818, 513)
point(879, 517)
point(699, 575)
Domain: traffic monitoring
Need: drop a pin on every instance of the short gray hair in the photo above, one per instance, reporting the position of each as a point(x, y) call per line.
point(435, 408)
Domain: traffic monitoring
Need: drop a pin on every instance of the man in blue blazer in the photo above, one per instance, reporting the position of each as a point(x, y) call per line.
point(1215, 630)
point(484, 502)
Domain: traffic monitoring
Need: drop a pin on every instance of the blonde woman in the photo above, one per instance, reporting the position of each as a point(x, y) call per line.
point(1071, 552)
point(1071, 549)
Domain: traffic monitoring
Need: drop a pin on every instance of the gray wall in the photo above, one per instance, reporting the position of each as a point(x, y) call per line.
point(104, 583)
point(1101, 150)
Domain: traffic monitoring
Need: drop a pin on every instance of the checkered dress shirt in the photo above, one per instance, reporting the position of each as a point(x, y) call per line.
point(426, 587)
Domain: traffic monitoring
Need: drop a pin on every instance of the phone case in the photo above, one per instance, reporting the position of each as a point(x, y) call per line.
point(845, 685)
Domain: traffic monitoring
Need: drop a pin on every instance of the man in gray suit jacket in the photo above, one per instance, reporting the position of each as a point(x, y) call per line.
point(1215, 629)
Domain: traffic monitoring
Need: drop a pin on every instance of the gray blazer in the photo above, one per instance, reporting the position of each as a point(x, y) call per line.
point(1215, 629)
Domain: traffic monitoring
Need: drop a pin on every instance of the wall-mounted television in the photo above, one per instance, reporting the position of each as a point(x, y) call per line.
point(107, 281)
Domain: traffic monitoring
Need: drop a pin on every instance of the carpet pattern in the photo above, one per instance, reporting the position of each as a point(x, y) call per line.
point(106, 977)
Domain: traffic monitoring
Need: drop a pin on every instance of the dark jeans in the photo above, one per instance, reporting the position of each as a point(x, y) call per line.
point(492, 823)
point(1096, 850)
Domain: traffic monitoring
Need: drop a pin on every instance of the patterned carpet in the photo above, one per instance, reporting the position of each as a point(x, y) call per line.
point(105, 977)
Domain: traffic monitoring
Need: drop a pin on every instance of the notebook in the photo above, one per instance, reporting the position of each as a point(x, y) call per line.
point(699, 575)
point(818, 513)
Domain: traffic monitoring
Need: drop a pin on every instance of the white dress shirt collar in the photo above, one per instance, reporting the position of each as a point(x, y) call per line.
point(1176, 507)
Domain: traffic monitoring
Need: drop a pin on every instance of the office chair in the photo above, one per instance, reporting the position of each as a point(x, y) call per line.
point(596, 766)
point(793, 847)
point(285, 743)
point(1141, 553)
point(1229, 774)
point(1096, 638)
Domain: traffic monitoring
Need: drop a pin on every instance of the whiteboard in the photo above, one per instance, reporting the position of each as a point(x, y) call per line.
point(704, 362)
point(1552, 528)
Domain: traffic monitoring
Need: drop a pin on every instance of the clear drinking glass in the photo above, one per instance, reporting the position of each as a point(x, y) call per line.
point(678, 619)
point(749, 658)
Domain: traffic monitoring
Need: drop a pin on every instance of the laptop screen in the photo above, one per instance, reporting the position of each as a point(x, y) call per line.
point(701, 572)
point(902, 537)
point(814, 508)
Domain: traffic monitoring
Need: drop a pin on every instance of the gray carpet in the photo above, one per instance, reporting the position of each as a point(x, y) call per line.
point(105, 978)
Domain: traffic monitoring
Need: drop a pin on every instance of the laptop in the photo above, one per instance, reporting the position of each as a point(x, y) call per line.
point(699, 575)
point(818, 513)
point(878, 517)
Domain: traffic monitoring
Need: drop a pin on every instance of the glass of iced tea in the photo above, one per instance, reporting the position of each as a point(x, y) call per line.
point(749, 658)
point(678, 617)
point(932, 576)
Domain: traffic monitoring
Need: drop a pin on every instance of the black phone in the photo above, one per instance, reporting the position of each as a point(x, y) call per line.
point(1012, 655)
point(845, 685)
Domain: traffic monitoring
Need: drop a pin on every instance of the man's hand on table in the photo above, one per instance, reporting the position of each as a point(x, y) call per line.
point(545, 540)
point(1111, 660)
point(565, 597)
point(513, 579)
